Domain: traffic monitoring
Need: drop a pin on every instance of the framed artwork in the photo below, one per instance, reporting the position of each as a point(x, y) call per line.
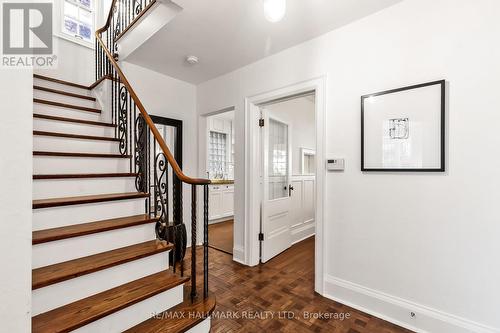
point(403, 130)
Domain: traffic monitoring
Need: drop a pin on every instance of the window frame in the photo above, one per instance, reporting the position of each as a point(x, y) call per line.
point(62, 34)
point(225, 155)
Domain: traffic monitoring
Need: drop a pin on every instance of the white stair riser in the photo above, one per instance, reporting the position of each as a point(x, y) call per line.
point(54, 217)
point(40, 94)
point(72, 248)
point(52, 143)
point(55, 188)
point(135, 314)
point(56, 164)
point(55, 143)
point(59, 294)
point(63, 87)
point(48, 125)
point(203, 327)
point(65, 112)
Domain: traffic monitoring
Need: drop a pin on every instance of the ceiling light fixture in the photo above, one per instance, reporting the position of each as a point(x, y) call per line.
point(192, 60)
point(274, 10)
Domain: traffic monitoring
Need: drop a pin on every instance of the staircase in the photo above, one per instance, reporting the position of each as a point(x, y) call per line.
point(99, 261)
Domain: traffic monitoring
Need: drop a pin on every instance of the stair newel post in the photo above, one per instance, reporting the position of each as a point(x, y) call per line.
point(205, 241)
point(193, 242)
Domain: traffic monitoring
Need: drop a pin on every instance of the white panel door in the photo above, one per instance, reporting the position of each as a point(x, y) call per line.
point(276, 203)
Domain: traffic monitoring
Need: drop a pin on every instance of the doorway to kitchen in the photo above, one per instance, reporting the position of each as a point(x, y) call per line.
point(220, 166)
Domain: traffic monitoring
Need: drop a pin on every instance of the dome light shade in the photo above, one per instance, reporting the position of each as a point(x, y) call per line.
point(274, 10)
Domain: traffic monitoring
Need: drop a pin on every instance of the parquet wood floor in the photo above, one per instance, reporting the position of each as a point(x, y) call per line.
point(285, 283)
point(220, 236)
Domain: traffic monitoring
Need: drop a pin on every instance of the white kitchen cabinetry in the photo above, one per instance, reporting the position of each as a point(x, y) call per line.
point(220, 201)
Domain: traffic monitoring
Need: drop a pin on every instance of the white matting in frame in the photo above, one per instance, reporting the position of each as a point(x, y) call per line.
point(404, 129)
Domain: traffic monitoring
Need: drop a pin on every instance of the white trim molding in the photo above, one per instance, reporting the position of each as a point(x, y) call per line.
point(398, 311)
point(302, 207)
point(253, 178)
point(239, 254)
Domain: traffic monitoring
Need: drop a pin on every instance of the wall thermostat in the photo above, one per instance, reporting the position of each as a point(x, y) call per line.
point(335, 164)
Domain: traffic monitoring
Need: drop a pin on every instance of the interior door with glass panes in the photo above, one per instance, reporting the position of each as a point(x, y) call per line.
point(276, 171)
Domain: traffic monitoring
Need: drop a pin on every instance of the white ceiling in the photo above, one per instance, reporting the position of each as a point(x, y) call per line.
point(228, 34)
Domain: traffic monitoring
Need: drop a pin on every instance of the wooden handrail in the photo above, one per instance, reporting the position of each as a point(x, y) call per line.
point(140, 106)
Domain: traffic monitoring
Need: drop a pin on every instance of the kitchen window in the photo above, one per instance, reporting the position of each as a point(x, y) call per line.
point(78, 20)
point(217, 155)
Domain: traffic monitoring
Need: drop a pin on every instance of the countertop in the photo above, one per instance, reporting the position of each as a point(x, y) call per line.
point(222, 181)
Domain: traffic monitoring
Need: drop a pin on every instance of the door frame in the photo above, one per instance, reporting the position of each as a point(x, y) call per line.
point(177, 210)
point(253, 197)
point(203, 146)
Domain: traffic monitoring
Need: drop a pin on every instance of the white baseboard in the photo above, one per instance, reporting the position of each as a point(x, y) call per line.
point(222, 219)
point(239, 254)
point(397, 310)
point(303, 231)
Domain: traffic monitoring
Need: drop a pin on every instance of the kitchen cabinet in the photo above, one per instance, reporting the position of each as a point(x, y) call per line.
point(220, 201)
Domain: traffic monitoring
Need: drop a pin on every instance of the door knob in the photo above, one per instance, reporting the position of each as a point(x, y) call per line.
point(290, 189)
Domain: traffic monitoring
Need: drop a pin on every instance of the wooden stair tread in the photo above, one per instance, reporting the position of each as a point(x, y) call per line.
point(54, 234)
point(45, 276)
point(65, 93)
point(68, 83)
point(75, 136)
point(71, 154)
point(86, 199)
point(85, 175)
point(82, 312)
point(65, 105)
point(72, 120)
point(168, 322)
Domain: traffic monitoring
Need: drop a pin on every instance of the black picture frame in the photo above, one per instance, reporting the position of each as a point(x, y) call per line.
point(442, 167)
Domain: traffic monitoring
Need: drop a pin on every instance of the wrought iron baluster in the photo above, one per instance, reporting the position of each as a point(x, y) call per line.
point(205, 241)
point(137, 7)
point(129, 130)
point(193, 242)
point(122, 119)
point(95, 58)
point(140, 154)
point(161, 195)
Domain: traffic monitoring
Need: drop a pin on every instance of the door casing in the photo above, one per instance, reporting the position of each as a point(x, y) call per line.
point(253, 195)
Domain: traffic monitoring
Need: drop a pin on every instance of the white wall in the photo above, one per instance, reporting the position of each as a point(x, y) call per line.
point(395, 242)
point(75, 63)
point(171, 98)
point(16, 94)
point(299, 114)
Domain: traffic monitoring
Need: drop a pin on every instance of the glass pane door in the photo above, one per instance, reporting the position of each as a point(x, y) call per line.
point(278, 160)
